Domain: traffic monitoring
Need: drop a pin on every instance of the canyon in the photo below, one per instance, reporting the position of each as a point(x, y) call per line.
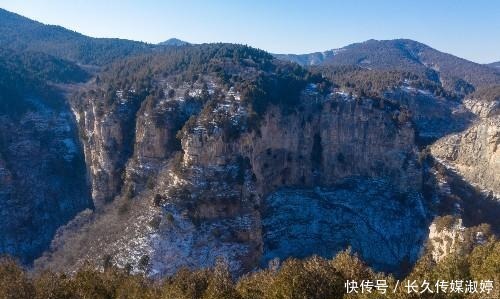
point(178, 155)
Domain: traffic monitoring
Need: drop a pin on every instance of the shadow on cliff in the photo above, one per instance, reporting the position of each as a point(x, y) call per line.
point(47, 183)
point(436, 118)
point(467, 201)
point(387, 228)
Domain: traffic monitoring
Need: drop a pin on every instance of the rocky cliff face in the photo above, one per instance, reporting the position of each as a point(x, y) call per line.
point(42, 177)
point(127, 140)
point(330, 138)
point(196, 167)
point(220, 151)
point(108, 142)
point(448, 235)
point(219, 197)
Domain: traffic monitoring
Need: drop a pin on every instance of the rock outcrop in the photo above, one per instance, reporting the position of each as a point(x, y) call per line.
point(108, 136)
point(333, 138)
point(434, 117)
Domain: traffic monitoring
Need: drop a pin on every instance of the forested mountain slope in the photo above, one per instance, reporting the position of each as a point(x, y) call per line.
point(22, 34)
point(454, 73)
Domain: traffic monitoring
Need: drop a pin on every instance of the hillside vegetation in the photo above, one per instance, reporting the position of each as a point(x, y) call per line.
point(22, 34)
point(311, 278)
point(453, 73)
point(29, 73)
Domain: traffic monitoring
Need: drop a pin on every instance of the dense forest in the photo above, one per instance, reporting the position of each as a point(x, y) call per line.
point(25, 73)
point(261, 78)
point(189, 62)
point(407, 55)
point(456, 75)
point(375, 83)
point(21, 34)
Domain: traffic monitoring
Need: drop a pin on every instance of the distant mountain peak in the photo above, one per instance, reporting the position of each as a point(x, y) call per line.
point(174, 42)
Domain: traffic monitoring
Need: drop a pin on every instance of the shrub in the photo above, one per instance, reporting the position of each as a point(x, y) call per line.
point(14, 282)
point(124, 207)
point(155, 222)
point(186, 284)
point(220, 284)
point(312, 278)
point(150, 183)
point(157, 200)
point(444, 222)
point(170, 218)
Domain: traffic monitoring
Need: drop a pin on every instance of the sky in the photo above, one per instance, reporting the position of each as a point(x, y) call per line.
point(468, 29)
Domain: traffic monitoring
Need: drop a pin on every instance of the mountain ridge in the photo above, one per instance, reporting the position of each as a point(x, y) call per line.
point(24, 34)
point(494, 64)
point(455, 73)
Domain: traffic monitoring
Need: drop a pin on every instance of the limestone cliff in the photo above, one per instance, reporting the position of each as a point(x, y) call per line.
point(330, 138)
point(107, 134)
point(217, 197)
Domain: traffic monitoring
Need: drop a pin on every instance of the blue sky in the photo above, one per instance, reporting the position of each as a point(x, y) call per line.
point(469, 29)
